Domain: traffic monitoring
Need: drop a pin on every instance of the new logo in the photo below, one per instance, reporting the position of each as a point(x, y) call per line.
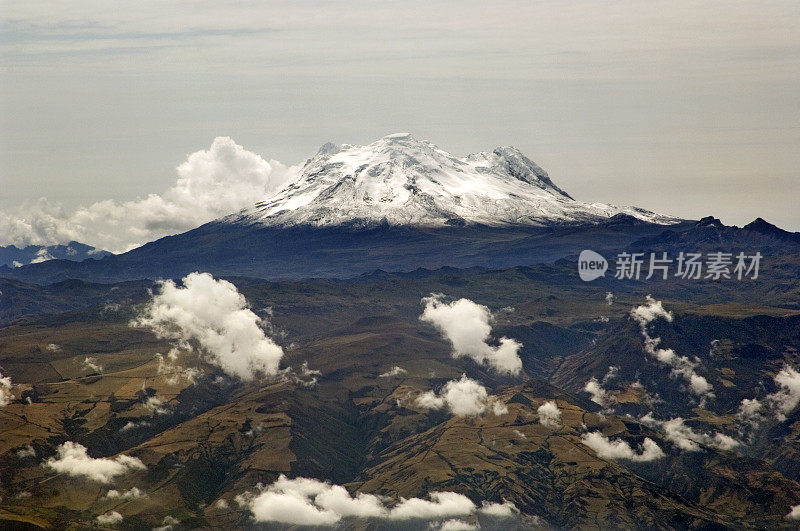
point(591, 265)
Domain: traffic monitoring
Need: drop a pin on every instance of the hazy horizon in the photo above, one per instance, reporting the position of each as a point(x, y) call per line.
point(688, 108)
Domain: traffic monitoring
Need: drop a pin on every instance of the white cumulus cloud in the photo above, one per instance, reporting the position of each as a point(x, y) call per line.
point(72, 459)
point(394, 371)
point(305, 501)
point(109, 518)
point(467, 326)
point(211, 183)
point(6, 396)
point(549, 415)
point(130, 494)
point(502, 510)
point(463, 398)
point(619, 449)
point(650, 311)
point(455, 524)
point(90, 364)
point(598, 394)
point(216, 317)
point(752, 412)
point(27, 451)
point(684, 437)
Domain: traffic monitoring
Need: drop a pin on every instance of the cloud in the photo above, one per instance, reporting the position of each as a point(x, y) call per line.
point(173, 372)
point(549, 415)
point(211, 183)
point(752, 412)
point(650, 311)
point(681, 365)
point(500, 510)
point(73, 460)
point(90, 364)
point(612, 374)
point(677, 432)
point(27, 451)
point(6, 396)
point(130, 494)
point(221, 504)
point(463, 398)
point(42, 255)
point(467, 326)
point(787, 397)
point(599, 395)
point(455, 524)
point(109, 518)
point(619, 449)
point(441, 504)
point(134, 425)
point(304, 501)
point(157, 406)
point(394, 371)
point(168, 523)
point(213, 315)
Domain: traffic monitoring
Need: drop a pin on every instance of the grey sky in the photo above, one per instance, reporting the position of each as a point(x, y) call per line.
point(687, 108)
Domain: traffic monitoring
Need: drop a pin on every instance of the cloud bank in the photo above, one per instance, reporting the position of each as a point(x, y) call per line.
point(467, 326)
point(213, 315)
point(463, 398)
point(72, 459)
point(211, 183)
point(619, 449)
point(304, 501)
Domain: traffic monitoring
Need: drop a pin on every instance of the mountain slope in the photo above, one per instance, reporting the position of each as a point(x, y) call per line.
point(399, 180)
point(14, 256)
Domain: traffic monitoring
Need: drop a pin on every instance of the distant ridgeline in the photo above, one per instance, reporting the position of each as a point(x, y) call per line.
point(13, 256)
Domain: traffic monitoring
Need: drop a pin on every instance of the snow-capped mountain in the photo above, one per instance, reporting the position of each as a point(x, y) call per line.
point(399, 180)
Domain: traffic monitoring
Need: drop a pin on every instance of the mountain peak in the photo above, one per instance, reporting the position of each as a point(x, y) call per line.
point(399, 180)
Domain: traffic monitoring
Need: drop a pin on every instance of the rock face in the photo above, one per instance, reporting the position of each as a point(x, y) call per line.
point(399, 180)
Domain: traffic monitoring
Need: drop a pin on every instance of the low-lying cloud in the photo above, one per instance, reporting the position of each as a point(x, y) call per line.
point(393, 372)
point(215, 317)
point(6, 396)
point(467, 326)
point(211, 183)
point(619, 449)
point(72, 459)
point(463, 398)
point(549, 415)
point(598, 394)
point(109, 518)
point(681, 365)
point(684, 437)
point(310, 502)
point(131, 494)
point(752, 412)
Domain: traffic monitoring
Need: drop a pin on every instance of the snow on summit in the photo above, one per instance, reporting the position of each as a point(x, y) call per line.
point(403, 181)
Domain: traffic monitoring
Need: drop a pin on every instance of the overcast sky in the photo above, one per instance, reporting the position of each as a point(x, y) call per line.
point(686, 108)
